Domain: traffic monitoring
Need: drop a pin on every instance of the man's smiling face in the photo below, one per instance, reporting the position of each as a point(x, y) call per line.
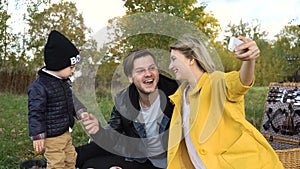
point(145, 74)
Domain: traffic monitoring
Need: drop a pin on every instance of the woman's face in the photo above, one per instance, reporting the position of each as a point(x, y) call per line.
point(180, 65)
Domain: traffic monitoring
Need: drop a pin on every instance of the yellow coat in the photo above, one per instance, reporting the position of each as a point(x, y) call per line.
point(223, 138)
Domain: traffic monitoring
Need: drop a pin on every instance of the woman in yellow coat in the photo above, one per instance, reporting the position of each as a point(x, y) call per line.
point(208, 129)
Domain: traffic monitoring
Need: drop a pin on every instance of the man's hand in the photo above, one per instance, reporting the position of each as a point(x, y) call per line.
point(90, 123)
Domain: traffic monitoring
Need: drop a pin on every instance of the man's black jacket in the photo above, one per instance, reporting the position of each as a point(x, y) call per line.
point(120, 136)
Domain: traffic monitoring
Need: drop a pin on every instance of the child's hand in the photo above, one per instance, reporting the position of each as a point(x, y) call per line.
point(38, 145)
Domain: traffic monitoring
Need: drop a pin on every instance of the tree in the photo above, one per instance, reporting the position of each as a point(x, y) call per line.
point(251, 30)
point(142, 15)
point(287, 48)
point(6, 37)
point(269, 67)
point(11, 57)
point(63, 17)
point(186, 10)
point(21, 54)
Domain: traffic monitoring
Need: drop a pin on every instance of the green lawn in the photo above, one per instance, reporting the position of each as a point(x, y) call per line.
point(255, 101)
point(16, 145)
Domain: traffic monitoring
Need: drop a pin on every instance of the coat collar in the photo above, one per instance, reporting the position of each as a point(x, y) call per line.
point(177, 95)
point(128, 99)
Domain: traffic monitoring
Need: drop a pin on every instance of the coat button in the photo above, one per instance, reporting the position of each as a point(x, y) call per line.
point(203, 151)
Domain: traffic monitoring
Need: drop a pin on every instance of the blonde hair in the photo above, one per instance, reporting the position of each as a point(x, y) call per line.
point(193, 48)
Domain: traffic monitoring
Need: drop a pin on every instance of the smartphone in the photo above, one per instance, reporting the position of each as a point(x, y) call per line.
point(233, 43)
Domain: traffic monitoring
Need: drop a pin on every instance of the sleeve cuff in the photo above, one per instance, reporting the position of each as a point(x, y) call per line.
point(39, 136)
point(78, 113)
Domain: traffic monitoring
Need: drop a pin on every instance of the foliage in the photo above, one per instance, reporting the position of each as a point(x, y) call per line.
point(156, 11)
point(8, 57)
point(287, 47)
point(230, 63)
point(21, 54)
point(3, 31)
point(104, 78)
point(144, 25)
point(251, 30)
point(63, 17)
point(187, 11)
point(270, 66)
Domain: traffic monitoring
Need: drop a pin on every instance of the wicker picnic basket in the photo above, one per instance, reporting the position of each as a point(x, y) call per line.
point(281, 122)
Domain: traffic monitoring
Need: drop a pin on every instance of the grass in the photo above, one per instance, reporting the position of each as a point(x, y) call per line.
point(16, 145)
point(13, 130)
point(255, 101)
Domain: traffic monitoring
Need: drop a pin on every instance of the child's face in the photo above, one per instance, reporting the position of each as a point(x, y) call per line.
point(66, 72)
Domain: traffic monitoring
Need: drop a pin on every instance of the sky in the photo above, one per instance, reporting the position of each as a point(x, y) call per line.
point(273, 15)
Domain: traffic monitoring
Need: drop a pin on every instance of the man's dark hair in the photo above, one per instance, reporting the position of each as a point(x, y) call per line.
point(130, 58)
